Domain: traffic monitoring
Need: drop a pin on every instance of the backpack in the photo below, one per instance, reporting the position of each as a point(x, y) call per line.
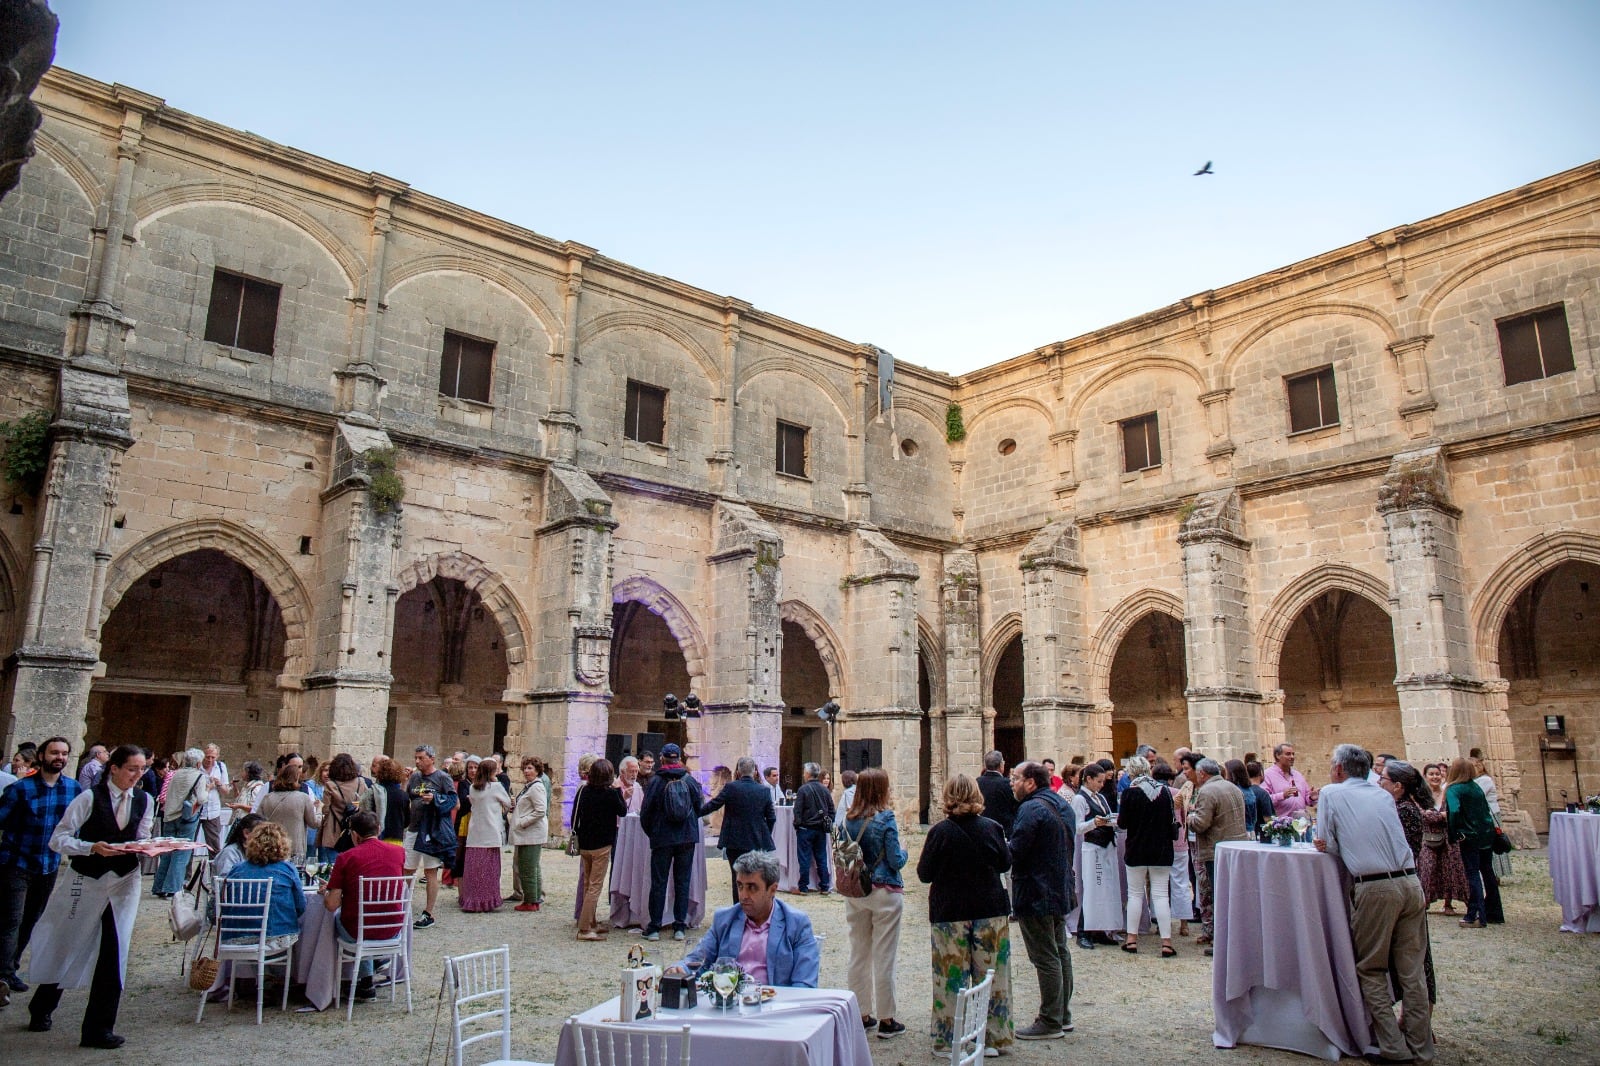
point(677, 805)
point(850, 875)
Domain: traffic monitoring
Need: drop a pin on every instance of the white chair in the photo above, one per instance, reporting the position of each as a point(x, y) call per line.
point(243, 905)
point(610, 1044)
point(382, 932)
point(482, 985)
point(971, 1022)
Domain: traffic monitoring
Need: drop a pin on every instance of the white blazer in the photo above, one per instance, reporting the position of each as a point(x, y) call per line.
point(530, 823)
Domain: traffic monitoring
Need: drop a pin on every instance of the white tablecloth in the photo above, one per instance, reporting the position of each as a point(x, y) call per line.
point(630, 879)
point(1284, 975)
point(801, 1027)
point(1575, 870)
point(783, 839)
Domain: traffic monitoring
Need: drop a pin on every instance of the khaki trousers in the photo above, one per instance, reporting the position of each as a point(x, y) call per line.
point(874, 924)
point(595, 864)
point(1388, 924)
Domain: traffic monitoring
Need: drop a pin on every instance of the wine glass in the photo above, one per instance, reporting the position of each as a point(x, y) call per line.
point(725, 980)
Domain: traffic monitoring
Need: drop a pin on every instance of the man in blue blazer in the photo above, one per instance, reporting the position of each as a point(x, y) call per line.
point(748, 816)
point(771, 940)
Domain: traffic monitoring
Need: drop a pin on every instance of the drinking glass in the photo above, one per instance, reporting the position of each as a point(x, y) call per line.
point(749, 996)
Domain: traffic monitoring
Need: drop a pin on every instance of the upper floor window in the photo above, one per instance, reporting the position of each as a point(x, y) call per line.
point(243, 313)
point(467, 368)
point(1313, 403)
point(1141, 443)
point(792, 448)
point(645, 418)
point(1535, 345)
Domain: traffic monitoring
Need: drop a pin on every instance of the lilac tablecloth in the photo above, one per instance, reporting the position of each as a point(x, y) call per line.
point(1575, 870)
point(1285, 969)
point(789, 853)
point(801, 1027)
point(630, 878)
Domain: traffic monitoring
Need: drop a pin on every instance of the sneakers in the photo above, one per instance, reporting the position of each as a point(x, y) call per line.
point(654, 934)
point(888, 1029)
point(677, 934)
point(1040, 1031)
point(869, 1022)
point(424, 922)
point(365, 991)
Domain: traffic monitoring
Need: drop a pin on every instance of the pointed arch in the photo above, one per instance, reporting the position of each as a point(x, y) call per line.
point(1121, 618)
point(784, 364)
point(500, 601)
point(1107, 378)
point(680, 623)
point(1559, 242)
point(1000, 636)
point(1293, 599)
point(57, 151)
point(1544, 552)
point(932, 649)
point(822, 637)
point(11, 580)
point(244, 547)
point(654, 324)
point(1391, 332)
point(493, 273)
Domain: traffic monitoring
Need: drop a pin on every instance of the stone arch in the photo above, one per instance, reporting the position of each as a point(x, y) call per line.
point(11, 615)
point(1150, 362)
point(932, 649)
point(790, 365)
point(615, 320)
point(57, 151)
point(243, 546)
point(500, 601)
point(189, 194)
point(1000, 635)
point(917, 406)
point(1025, 402)
point(680, 622)
point(1391, 332)
point(493, 273)
point(1544, 552)
point(1561, 242)
point(829, 649)
point(1287, 605)
point(1115, 626)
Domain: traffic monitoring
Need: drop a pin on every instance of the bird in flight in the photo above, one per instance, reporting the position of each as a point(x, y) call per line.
point(1204, 170)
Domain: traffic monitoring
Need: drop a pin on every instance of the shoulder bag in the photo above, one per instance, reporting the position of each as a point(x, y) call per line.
point(851, 878)
point(184, 916)
point(203, 971)
point(572, 837)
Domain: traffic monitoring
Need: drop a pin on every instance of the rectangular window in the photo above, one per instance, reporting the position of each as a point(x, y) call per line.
point(645, 418)
point(1313, 403)
point(466, 368)
point(1536, 345)
point(243, 312)
point(1141, 443)
point(792, 449)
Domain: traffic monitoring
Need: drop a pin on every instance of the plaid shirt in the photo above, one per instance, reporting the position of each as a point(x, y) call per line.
point(29, 814)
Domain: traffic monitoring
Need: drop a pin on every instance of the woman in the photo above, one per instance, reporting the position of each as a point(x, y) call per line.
point(342, 796)
point(628, 782)
point(1147, 816)
point(1443, 876)
point(232, 853)
point(252, 786)
point(1070, 778)
point(1241, 779)
point(1471, 828)
point(530, 829)
point(1264, 809)
point(1409, 792)
point(265, 854)
point(291, 809)
point(1181, 888)
point(1481, 778)
point(486, 835)
point(180, 812)
point(391, 779)
point(1100, 881)
point(874, 920)
point(962, 859)
point(595, 811)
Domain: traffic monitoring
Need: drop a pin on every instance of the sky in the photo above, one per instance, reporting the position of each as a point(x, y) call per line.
point(956, 183)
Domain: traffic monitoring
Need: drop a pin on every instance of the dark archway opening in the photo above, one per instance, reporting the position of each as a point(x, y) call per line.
point(1337, 672)
point(1010, 732)
point(1148, 676)
point(449, 671)
point(805, 688)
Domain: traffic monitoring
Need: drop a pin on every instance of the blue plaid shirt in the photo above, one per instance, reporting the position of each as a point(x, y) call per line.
point(29, 814)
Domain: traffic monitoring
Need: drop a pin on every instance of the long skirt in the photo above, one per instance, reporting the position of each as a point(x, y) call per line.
point(480, 880)
point(1102, 890)
point(1442, 873)
point(962, 953)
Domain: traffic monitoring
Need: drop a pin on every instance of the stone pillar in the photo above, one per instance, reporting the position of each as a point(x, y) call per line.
point(857, 496)
point(1057, 711)
point(723, 463)
point(881, 620)
point(1225, 718)
point(744, 695)
point(965, 738)
point(568, 712)
point(345, 705)
point(561, 426)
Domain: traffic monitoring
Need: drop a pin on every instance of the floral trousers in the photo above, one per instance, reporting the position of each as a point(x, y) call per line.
point(962, 953)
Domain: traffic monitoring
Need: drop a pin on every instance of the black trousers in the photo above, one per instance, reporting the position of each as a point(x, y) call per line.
point(733, 857)
point(679, 859)
point(105, 991)
point(22, 900)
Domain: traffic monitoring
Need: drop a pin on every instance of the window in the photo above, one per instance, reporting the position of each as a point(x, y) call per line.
point(243, 313)
point(466, 369)
point(646, 416)
point(1141, 443)
point(1313, 403)
point(1535, 345)
point(792, 449)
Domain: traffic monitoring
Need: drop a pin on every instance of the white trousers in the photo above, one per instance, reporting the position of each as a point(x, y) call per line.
point(874, 924)
point(1182, 891)
point(1158, 899)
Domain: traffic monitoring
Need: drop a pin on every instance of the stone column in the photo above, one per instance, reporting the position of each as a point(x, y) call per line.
point(1225, 718)
point(723, 462)
point(963, 721)
point(881, 620)
point(1057, 711)
point(561, 426)
point(744, 695)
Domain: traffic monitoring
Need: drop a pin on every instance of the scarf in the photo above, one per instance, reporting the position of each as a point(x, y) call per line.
point(1148, 785)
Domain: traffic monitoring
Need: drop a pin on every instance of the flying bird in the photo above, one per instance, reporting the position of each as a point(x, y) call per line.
point(1204, 170)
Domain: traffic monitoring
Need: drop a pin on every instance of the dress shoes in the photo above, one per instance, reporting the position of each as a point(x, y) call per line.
point(105, 1041)
point(1085, 942)
point(39, 1023)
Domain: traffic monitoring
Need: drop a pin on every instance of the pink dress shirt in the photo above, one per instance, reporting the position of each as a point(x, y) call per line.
point(1277, 781)
point(753, 950)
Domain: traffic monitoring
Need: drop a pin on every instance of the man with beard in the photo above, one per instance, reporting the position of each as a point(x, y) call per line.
point(30, 810)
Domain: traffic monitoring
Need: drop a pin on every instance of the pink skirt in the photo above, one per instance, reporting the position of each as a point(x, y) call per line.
point(480, 880)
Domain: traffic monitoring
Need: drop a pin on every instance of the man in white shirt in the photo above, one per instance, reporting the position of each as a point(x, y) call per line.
point(214, 816)
point(1357, 823)
point(773, 786)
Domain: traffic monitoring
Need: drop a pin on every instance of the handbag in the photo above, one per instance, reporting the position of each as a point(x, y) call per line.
point(572, 837)
point(184, 916)
point(203, 971)
point(850, 877)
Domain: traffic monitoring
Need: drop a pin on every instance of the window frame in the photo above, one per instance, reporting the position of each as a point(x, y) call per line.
point(463, 340)
point(246, 290)
point(805, 450)
point(1152, 441)
point(1331, 392)
point(631, 411)
point(1539, 318)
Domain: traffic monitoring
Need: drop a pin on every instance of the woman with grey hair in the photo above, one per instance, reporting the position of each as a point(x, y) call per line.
point(187, 788)
point(1146, 815)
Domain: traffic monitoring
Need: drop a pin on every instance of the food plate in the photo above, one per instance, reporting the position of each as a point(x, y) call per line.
point(768, 992)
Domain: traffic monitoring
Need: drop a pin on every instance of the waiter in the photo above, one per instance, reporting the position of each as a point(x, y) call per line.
point(83, 936)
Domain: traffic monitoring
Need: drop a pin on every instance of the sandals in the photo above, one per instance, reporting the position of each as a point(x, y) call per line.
point(1131, 947)
point(1168, 951)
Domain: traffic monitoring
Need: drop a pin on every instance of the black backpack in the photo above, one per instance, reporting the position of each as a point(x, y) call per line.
point(677, 804)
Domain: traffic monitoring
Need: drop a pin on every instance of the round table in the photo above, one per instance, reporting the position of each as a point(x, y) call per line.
point(1575, 870)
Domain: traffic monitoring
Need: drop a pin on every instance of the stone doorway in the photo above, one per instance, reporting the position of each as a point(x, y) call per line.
point(1148, 676)
point(805, 685)
point(1337, 671)
point(449, 670)
point(1010, 734)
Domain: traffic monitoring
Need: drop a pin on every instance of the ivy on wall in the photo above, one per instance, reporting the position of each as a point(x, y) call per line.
point(384, 485)
point(25, 451)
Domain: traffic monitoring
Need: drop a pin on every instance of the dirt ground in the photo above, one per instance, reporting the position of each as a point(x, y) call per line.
point(1522, 992)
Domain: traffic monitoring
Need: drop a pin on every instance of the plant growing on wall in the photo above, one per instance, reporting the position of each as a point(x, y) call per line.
point(384, 487)
point(954, 428)
point(25, 451)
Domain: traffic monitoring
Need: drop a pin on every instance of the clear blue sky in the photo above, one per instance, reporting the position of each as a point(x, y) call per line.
point(958, 183)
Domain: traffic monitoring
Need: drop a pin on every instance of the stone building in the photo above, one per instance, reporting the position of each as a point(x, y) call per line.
point(1356, 498)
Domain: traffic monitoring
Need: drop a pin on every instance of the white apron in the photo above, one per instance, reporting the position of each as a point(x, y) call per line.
point(66, 942)
point(1099, 877)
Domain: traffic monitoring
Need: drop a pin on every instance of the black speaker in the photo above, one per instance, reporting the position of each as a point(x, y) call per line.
point(858, 755)
point(651, 742)
point(618, 747)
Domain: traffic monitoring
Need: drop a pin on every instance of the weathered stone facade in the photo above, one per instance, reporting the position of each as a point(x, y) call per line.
point(213, 554)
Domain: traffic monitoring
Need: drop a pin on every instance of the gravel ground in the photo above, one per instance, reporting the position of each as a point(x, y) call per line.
point(1522, 992)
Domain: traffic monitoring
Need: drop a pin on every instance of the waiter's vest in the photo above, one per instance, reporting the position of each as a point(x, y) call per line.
point(101, 825)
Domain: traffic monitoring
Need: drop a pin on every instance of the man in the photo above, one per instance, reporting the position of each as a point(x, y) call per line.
point(93, 768)
point(1055, 778)
point(847, 798)
point(430, 840)
point(773, 786)
point(748, 816)
point(998, 801)
point(1357, 823)
point(83, 936)
point(647, 766)
point(1216, 815)
point(1290, 792)
point(368, 857)
point(813, 820)
point(1041, 893)
point(670, 817)
point(30, 810)
point(214, 815)
point(771, 940)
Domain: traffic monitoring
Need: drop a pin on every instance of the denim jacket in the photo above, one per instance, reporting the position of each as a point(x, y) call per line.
point(880, 848)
